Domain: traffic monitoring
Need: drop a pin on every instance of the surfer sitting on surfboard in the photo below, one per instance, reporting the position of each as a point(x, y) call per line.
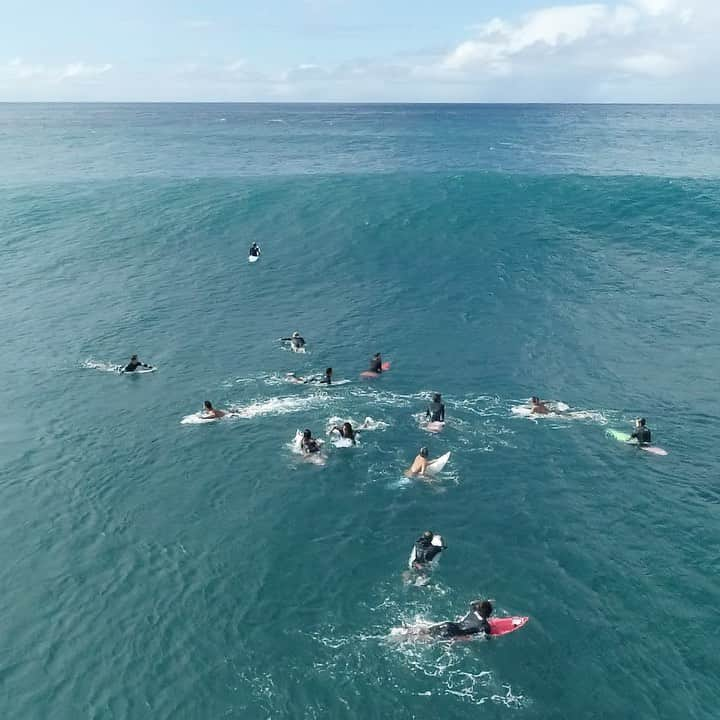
point(309, 444)
point(538, 407)
point(376, 364)
point(254, 250)
point(642, 434)
point(134, 364)
point(420, 463)
point(297, 342)
point(436, 411)
point(476, 621)
point(426, 550)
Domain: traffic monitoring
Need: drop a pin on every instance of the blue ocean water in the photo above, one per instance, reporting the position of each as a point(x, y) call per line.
point(153, 569)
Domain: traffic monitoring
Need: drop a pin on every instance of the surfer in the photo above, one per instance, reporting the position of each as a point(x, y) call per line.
point(538, 407)
point(426, 550)
point(325, 379)
point(376, 364)
point(134, 364)
point(210, 412)
point(254, 250)
point(436, 411)
point(308, 444)
point(642, 434)
point(345, 431)
point(476, 621)
point(419, 464)
point(297, 342)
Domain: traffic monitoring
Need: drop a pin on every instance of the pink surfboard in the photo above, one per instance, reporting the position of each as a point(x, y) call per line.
point(370, 374)
point(505, 625)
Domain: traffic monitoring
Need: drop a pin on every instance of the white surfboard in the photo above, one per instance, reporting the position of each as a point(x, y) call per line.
point(436, 466)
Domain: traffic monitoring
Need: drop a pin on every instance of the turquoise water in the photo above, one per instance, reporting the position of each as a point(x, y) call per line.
point(154, 569)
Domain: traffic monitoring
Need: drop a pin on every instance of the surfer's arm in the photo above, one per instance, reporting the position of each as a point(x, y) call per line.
point(442, 413)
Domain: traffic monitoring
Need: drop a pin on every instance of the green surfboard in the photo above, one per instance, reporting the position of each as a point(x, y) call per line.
point(619, 435)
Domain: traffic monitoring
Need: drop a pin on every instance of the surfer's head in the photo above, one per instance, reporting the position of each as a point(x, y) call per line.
point(376, 355)
point(296, 334)
point(640, 422)
point(208, 405)
point(428, 535)
point(347, 429)
point(328, 371)
point(483, 608)
point(535, 400)
point(133, 358)
point(307, 434)
point(423, 452)
point(437, 397)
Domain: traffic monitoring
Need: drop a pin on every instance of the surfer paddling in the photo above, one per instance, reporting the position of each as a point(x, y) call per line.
point(209, 411)
point(134, 364)
point(475, 622)
point(345, 431)
point(427, 547)
point(538, 407)
point(254, 250)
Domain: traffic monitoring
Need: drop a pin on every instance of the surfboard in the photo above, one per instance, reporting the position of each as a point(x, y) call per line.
point(434, 426)
point(370, 374)
point(198, 419)
point(436, 466)
point(505, 625)
point(626, 438)
point(253, 258)
point(139, 371)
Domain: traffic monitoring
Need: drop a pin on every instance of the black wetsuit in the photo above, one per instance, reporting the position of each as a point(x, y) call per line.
point(133, 365)
point(297, 342)
point(425, 551)
point(254, 251)
point(436, 411)
point(376, 365)
point(310, 446)
point(472, 624)
point(642, 435)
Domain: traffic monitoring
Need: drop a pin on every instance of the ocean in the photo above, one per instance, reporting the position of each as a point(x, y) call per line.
point(158, 569)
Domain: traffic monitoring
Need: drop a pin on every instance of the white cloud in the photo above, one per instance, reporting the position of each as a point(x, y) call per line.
point(651, 64)
point(17, 69)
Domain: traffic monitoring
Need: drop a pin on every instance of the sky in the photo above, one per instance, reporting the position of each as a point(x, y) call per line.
point(361, 51)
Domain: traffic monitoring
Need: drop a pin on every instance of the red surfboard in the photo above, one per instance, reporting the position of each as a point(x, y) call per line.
point(370, 374)
point(505, 625)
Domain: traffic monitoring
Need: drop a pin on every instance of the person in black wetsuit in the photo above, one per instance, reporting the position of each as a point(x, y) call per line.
point(326, 379)
point(134, 364)
point(376, 364)
point(296, 341)
point(642, 434)
point(309, 444)
point(425, 551)
point(436, 410)
point(254, 250)
point(475, 622)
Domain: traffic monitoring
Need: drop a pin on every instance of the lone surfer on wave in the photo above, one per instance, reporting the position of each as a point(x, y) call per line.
point(345, 431)
point(308, 444)
point(376, 364)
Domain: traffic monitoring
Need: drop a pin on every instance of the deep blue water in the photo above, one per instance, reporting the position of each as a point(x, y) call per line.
point(155, 569)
